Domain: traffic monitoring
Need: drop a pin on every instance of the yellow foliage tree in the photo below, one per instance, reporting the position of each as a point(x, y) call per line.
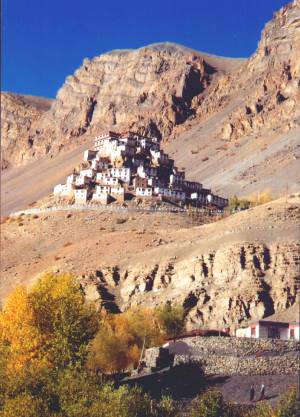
point(49, 325)
point(120, 339)
point(17, 328)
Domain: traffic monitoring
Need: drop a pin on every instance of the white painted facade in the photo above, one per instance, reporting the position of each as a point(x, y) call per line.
point(123, 174)
point(66, 190)
point(81, 195)
point(71, 179)
point(87, 173)
point(144, 192)
point(110, 181)
point(102, 189)
point(117, 191)
point(82, 180)
point(269, 330)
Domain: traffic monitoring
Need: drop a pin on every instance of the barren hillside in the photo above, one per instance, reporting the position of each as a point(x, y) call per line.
point(147, 258)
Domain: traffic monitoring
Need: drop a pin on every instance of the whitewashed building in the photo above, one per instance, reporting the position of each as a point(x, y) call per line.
point(65, 190)
point(82, 180)
point(282, 325)
point(144, 192)
point(81, 195)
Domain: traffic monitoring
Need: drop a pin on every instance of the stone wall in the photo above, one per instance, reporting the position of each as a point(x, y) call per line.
point(240, 347)
point(233, 356)
point(231, 365)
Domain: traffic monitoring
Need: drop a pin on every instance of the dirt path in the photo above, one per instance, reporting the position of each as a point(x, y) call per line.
point(236, 388)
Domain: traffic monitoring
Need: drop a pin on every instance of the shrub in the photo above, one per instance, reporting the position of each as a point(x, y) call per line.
point(212, 404)
point(289, 405)
point(121, 221)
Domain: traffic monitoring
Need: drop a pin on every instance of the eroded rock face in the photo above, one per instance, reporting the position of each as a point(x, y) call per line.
point(270, 80)
point(149, 90)
point(162, 90)
point(258, 281)
point(18, 114)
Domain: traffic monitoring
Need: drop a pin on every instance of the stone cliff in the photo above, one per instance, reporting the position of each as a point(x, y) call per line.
point(269, 80)
point(18, 114)
point(258, 280)
point(150, 90)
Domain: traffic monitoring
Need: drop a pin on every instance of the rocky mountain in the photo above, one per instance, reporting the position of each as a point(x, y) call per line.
point(164, 89)
point(18, 115)
point(270, 79)
point(232, 124)
point(150, 90)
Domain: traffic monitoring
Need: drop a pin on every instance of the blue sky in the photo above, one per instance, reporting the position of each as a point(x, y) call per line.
point(43, 41)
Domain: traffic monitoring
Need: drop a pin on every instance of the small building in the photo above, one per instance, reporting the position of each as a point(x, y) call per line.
point(64, 190)
point(139, 182)
point(89, 154)
point(102, 189)
point(71, 179)
point(282, 325)
point(81, 195)
point(123, 174)
point(110, 181)
point(144, 192)
point(87, 172)
point(101, 198)
point(118, 193)
point(82, 180)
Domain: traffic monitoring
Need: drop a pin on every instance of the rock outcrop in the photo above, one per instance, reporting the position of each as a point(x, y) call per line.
point(150, 90)
point(18, 114)
point(269, 80)
point(165, 89)
point(258, 281)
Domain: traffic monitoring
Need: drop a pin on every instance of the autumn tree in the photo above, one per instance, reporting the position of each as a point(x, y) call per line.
point(64, 317)
point(121, 337)
point(50, 325)
point(171, 319)
point(18, 330)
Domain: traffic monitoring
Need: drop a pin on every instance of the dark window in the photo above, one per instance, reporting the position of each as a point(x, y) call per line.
point(292, 333)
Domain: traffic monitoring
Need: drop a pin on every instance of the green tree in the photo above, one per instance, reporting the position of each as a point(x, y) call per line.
point(172, 319)
point(212, 404)
point(23, 405)
point(77, 391)
point(123, 402)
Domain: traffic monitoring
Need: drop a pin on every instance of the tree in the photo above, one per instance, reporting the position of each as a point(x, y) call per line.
point(172, 319)
point(289, 405)
point(64, 317)
point(77, 391)
point(120, 339)
point(108, 352)
point(18, 331)
point(50, 325)
point(23, 405)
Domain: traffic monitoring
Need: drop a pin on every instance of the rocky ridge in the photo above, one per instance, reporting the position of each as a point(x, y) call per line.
point(164, 89)
point(259, 280)
point(18, 114)
point(270, 80)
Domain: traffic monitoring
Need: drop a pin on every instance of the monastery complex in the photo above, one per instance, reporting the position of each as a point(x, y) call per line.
point(126, 165)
